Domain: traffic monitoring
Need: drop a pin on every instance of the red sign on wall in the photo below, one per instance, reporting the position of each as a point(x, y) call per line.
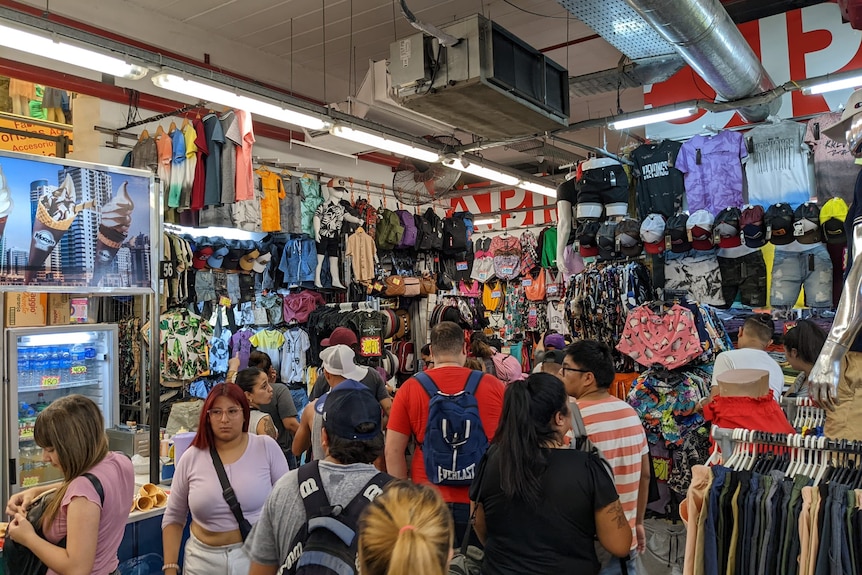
point(494, 202)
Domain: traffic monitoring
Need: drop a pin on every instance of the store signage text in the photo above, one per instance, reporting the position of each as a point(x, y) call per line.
point(29, 144)
point(495, 202)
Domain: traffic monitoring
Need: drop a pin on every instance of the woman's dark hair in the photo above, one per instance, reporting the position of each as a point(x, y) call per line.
point(205, 437)
point(480, 346)
point(247, 378)
point(348, 451)
point(526, 427)
point(260, 359)
point(426, 349)
point(596, 358)
point(807, 338)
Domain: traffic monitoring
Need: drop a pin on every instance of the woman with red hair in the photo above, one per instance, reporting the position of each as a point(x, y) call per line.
point(252, 463)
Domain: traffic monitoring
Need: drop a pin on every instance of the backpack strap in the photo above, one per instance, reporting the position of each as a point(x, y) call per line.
point(316, 502)
point(350, 514)
point(97, 485)
point(473, 382)
point(427, 383)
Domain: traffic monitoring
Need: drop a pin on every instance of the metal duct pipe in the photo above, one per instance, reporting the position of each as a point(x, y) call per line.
point(708, 40)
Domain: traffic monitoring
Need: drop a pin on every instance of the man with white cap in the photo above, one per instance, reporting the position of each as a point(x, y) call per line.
point(340, 371)
point(836, 379)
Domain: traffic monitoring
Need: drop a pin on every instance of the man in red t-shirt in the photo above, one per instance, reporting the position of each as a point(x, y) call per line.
point(409, 415)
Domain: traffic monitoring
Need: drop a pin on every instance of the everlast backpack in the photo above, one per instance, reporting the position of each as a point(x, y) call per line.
point(389, 230)
point(432, 231)
point(327, 543)
point(454, 236)
point(408, 238)
point(454, 438)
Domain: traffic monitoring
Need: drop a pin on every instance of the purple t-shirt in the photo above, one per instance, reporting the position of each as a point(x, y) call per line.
point(240, 343)
point(196, 487)
point(716, 182)
point(117, 476)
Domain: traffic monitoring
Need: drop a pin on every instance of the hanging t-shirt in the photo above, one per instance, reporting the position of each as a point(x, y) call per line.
point(296, 343)
point(178, 168)
point(244, 181)
point(713, 171)
point(164, 146)
point(200, 177)
point(557, 317)
point(549, 248)
point(240, 343)
point(660, 185)
point(835, 170)
point(273, 190)
point(269, 341)
point(232, 139)
point(214, 143)
point(777, 169)
point(190, 166)
point(290, 208)
point(311, 199)
point(331, 216)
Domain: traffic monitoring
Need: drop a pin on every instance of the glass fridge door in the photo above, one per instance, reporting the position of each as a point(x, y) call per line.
point(53, 362)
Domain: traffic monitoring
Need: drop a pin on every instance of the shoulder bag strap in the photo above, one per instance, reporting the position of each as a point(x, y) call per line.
point(229, 495)
point(97, 485)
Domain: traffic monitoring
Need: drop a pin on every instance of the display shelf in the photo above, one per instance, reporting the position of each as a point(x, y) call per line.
point(59, 385)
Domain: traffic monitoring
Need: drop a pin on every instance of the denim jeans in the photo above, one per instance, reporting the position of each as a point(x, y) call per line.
point(300, 400)
point(791, 271)
point(710, 541)
point(613, 567)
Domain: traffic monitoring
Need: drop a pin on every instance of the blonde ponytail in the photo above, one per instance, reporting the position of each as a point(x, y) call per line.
point(406, 531)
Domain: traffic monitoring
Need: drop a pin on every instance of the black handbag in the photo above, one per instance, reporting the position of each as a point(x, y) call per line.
point(18, 558)
point(229, 495)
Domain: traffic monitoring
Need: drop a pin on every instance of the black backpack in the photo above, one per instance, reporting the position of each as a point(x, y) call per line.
point(430, 232)
point(328, 541)
point(454, 236)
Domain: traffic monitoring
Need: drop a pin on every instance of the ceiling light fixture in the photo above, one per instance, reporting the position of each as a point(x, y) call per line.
point(833, 85)
point(487, 221)
point(539, 188)
point(651, 117)
point(383, 143)
point(481, 171)
point(267, 108)
point(50, 47)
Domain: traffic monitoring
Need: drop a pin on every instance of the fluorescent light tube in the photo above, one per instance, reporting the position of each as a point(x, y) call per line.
point(217, 95)
point(652, 118)
point(486, 221)
point(481, 171)
point(69, 53)
point(831, 86)
point(383, 143)
point(539, 188)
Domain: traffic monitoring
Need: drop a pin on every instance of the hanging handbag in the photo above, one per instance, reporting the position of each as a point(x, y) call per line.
point(412, 287)
point(229, 495)
point(19, 559)
point(428, 284)
point(395, 286)
point(444, 277)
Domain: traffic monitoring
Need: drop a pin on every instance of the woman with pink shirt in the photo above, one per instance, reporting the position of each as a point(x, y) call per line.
point(71, 433)
point(252, 464)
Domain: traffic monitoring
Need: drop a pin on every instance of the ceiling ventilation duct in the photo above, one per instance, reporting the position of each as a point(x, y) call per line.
point(699, 30)
point(490, 83)
point(628, 74)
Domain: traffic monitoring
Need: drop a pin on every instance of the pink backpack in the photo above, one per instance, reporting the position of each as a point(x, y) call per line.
point(507, 367)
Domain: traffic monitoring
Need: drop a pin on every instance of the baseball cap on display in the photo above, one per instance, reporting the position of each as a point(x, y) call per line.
point(216, 260)
point(607, 240)
point(779, 224)
point(261, 263)
point(340, 336)
point(628, 237)
point(726, 228)
point(677, 229)
point(202, 254)
point(699, 227)
point(352, 412)
point(753, 230)
point(806, 223)
point(832, 216)
point(246, 262)
point(337, 183)
point(587, 241)
point(652, 233)
point(231, 260)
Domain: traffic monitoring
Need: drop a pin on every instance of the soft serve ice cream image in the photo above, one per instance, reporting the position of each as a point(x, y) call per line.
point(55, 211)
point(5, 202)
point(116, 217)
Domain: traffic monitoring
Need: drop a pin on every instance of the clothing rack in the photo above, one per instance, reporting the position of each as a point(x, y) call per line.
point(727, 439)
point(352, 306)
point(803, 413)
point(158, 117)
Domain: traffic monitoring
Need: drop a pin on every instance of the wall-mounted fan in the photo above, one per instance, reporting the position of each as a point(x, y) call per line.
point(417, 183)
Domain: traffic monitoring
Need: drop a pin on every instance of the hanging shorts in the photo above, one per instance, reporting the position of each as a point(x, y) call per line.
point(791, 271)
point(744, 276)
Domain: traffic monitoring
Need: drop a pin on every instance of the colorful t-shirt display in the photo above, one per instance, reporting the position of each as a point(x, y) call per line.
point(834, 168)
point(713, 171)
point(269, 341)
point(273, 190)
point(660, 185)
point(777, 169)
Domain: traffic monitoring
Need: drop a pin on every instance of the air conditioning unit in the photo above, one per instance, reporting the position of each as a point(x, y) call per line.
point(491, 83)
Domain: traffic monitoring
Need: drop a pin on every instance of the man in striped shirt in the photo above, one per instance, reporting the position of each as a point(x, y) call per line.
point(615, 429)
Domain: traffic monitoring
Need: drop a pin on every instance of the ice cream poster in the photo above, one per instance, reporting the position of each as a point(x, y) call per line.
point(73, 224)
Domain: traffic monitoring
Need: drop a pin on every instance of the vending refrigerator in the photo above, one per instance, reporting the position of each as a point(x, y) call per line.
point(43, 365)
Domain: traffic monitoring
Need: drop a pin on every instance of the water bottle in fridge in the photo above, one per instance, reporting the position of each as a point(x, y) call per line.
point(38, 365)
point(54, 362)
point(24, 379)
point(90, 361)
point(78, 366)
point(65, 364)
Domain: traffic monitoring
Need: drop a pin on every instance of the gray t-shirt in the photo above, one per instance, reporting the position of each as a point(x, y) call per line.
point(269, 542)
point(279, 408)
point(834, 168)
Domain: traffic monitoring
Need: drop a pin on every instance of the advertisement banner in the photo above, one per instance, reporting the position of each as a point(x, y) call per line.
point(13, 140)
point(495, 202)
point(65, 223)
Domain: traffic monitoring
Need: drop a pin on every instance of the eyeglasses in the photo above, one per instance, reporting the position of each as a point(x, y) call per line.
point(232, 413)
point(564, 369)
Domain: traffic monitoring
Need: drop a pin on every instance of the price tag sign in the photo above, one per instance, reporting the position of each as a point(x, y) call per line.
point(50, 380)
point(496, 294)
point(225, 301)
point(79, 370)
point(371, 346)
point(25, 432)
point(166, 270)
point(551, 289)
point(527, 282)
point(461, 266)
point(29, 481)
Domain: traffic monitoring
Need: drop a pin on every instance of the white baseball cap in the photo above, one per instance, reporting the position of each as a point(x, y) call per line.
point(338, 360)
point(652, 233)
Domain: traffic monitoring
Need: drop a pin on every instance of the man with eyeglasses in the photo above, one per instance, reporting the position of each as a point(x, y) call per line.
point(616, 430)
point(754, 337)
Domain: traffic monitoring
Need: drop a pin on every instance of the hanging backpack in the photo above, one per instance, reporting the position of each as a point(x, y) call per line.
point(389, 230)
point(454, 236)
point(327, 543)
point(432, 231)
point(408, 237)
point(455, 440)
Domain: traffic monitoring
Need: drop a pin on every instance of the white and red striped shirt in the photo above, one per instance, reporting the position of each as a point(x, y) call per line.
point(616, 430)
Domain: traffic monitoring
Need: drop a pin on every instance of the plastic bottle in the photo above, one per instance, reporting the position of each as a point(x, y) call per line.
point(90, 361)
point(77, 357)
point(65, 364)
point(39, 365)
point(54, 361)
point(40, 404)
point(24, 368)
